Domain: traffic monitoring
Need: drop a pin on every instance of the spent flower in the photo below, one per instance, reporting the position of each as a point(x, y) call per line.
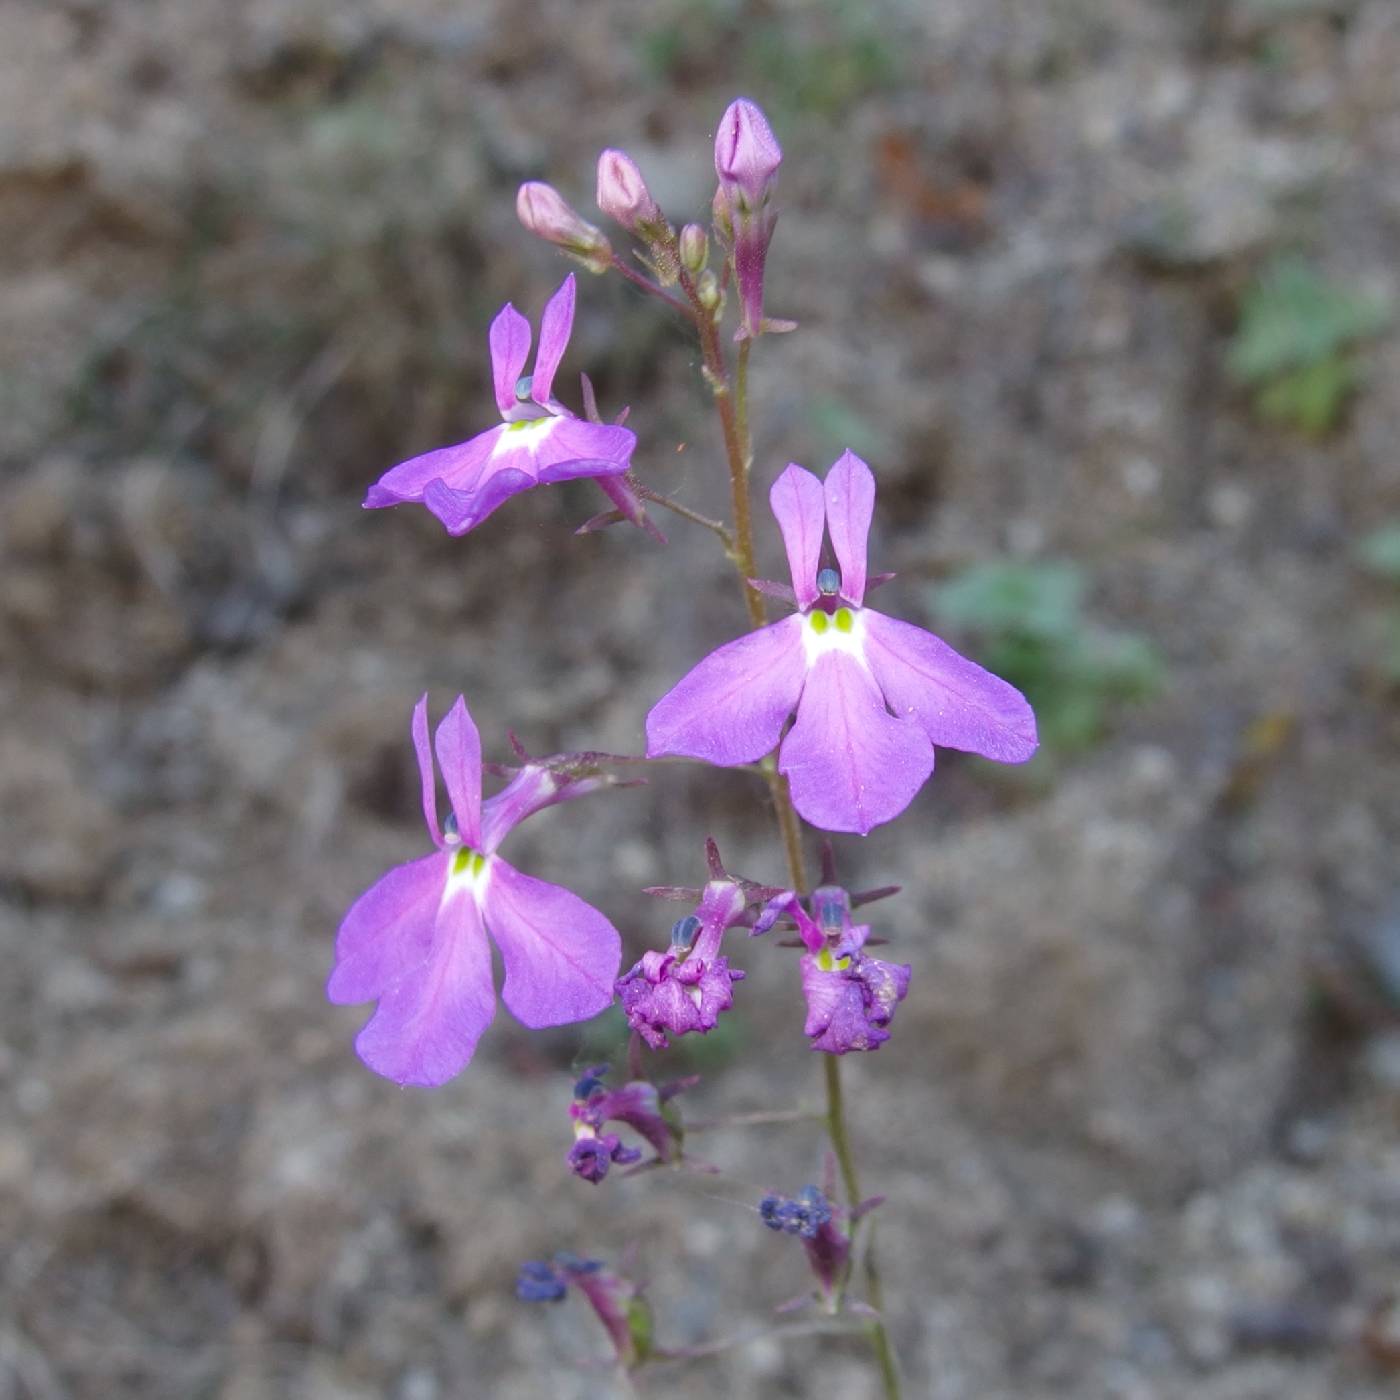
point(851, 996)
point(873, 695)
point(641, 1105)
point(538, 443)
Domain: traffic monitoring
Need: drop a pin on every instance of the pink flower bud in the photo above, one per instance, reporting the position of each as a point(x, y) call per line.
point(747, 155)
point(623, 195)
point(544, 211)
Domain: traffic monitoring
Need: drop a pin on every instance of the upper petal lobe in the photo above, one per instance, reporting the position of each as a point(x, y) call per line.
point(796, 501)
point(851, 765)
point(459, 757)
point(510, 346)
point(426, 777)
point(731, 708)
point(555, 327)
point(561, 955)
point(850, 503)
point(958, 704)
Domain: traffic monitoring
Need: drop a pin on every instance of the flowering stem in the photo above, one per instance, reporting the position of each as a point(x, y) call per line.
point(732, 406)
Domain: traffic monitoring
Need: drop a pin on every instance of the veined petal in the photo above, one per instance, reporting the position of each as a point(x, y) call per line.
point(461, 511)
point(561, 955)
point(510, 347)
point(796, 499)
point(555, 327)
point(850, 503)
point(426, 777)
point(730, 709)
point(458, 466)
point(459, 757)
point(850, 763)
point(387, 932)
point(576, 447)
point(429, 1020)
point(958, 704)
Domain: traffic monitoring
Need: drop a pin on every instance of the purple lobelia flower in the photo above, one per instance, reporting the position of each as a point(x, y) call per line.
point(873, 695)
point(640, 1105)
point(686, 987)
point(540, 441)
point(416, 942)
point(851, 997)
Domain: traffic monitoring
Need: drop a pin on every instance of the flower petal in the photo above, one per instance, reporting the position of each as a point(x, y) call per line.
point(561, 955)
point(429, 1020)
point(426, 777)
point(461, 511)
point(555, 327)
point(796, 499)
point(387, 931)
point(458, 466)
point(731, 707)
point(531, 790)
point(510, 346)
point(958, 704)
point(850, 503)
point(575, 447)
point(459, 756)
point(850, 763)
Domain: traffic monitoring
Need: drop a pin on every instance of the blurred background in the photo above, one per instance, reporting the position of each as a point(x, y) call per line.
point(1106, 294)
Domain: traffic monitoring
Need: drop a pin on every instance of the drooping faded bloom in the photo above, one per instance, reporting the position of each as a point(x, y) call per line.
point(747, 157)
point(618, 1302)
point(851, 997)
point(540, 441)
point(874, 696)
point(685, 988)
point(642, 1106)
point(416, 942)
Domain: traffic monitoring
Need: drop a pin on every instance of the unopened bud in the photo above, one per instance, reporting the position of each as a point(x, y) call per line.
point(695, 248)
point(544, 211)
point(747, 155)
point(707, 289)
point(623, 195)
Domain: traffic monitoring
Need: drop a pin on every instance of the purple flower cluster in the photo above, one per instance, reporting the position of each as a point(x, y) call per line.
point(849, 703)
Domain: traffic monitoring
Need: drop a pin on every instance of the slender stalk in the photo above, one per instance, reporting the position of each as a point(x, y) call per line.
point(690, 312)
point(685, 512)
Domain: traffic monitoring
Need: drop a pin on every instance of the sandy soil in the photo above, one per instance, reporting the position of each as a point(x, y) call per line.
point(1138, 1124)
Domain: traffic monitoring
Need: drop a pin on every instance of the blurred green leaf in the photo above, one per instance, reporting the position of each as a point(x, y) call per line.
point(1379, 552)
point(1292, 318)
point(1029, 625)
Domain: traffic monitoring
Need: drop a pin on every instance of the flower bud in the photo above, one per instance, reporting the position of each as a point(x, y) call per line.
point(544, 211)
point(695, 248)
point(623, 195)
point(708, 291)
point(747, 155)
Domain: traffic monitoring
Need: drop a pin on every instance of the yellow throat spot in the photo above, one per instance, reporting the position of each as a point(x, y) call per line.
point(827, 963)
point(818, 621)
point(468, 862)
point(844, 620)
